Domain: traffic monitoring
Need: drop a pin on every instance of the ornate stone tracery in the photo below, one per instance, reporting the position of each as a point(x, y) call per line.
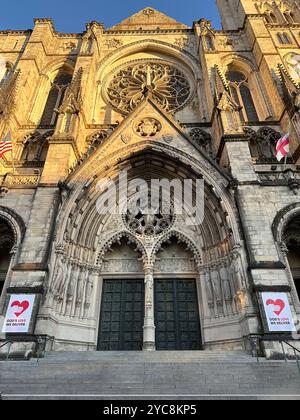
point(168, 85)
point(148, 127)
point(148, 224)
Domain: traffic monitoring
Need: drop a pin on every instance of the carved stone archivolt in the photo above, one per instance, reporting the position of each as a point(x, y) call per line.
point(168, 85)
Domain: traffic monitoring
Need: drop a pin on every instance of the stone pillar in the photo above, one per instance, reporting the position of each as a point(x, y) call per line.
point(149, 326)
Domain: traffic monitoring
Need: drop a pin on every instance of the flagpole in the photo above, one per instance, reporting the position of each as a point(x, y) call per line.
point(285, 162)
point(13, 162)
point(286, 157)
point(12, 153)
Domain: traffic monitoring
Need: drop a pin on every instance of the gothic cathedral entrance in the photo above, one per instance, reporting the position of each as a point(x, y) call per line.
point(124, 300)
point(176, 315)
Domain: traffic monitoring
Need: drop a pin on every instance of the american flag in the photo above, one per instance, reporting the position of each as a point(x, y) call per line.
point(6, 145)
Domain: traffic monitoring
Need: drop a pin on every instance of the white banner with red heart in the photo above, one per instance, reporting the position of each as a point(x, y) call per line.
point(278, 312)
point(18, 314)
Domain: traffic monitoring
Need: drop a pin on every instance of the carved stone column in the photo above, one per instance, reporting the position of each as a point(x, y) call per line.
point(149, 325)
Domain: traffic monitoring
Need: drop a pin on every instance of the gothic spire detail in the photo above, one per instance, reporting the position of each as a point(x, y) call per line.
point(291, 89)
point(72, 101)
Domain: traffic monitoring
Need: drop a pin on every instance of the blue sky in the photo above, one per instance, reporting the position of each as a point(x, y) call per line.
point(72, 15)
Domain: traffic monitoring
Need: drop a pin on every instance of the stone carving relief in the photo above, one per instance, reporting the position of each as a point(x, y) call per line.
point(168, 138)
point(30, 180)
point(225, 282)
point(184, 43)
point(72, 283)
point(202, 139)
point(148, 127)
point(131, 84)
point(115, 265)
point(113, 43)
point(149, 11)
point(175, 265)
point(126, 138)
point(68, 47)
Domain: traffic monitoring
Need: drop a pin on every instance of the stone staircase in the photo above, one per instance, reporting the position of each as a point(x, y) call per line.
point(158, 375)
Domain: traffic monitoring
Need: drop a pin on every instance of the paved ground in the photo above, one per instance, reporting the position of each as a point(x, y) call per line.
point(160, 375)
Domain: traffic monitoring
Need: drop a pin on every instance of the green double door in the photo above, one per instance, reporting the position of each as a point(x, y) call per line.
point(176, 315)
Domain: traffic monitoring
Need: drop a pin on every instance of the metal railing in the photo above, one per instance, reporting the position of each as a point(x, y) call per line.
point(254, 341)
point(296, 351)
point(42, 341)
point(9, 344)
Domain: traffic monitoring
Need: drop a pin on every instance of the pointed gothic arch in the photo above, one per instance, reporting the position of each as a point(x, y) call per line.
point(255, 93)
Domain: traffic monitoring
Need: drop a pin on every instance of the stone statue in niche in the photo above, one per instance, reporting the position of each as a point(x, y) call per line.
point(89, 291)
point(70, 289)
point(80, 287)
point(59, 277)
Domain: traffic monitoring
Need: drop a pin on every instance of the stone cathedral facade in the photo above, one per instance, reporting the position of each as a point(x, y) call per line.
point(158, 99)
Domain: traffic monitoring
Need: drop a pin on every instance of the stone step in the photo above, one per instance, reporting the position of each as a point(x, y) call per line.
point(148, 356)
point(166, 375)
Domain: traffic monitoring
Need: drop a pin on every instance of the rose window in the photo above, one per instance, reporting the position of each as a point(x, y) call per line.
point(166, 83)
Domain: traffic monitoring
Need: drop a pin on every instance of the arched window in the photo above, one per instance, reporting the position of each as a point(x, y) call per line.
point(292, 241)
point(270, 17)
point(55, 99)
point(289, 16)
point(209, 42)
point(6, 244)
point(42, 154)
point(240, 90)
point(283, 38)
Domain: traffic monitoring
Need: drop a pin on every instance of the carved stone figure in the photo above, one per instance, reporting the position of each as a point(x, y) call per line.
point(60, 274)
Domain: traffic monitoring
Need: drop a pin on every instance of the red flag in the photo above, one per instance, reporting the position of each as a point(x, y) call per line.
point(283, 147)
point(5, 145)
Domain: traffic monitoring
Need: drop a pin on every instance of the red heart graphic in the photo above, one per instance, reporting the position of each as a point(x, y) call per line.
point(277, 303)
point(24, 305)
